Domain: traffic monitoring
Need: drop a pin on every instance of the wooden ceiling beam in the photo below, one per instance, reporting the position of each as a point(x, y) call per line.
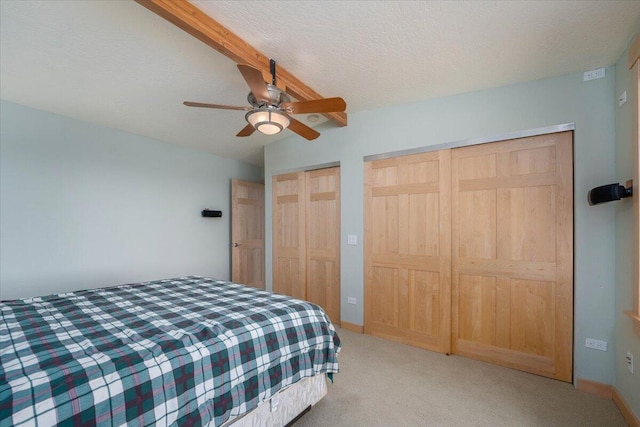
point(186, 16)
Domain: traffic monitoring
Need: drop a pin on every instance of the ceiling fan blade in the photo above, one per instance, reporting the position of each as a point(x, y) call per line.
point(327, 105)
point(247, 130)
point(302, 129)
point(222, 107)
point(256, 83)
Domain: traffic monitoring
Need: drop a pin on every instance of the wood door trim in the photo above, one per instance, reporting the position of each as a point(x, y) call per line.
point(368, 248)
point(564, 264)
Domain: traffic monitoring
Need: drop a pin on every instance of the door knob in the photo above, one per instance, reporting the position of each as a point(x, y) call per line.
point(236, 244)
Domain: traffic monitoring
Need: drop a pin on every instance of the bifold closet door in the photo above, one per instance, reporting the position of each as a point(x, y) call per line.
point(408, 249)
point(289, 259)
point(323, 239)
point(512, 280)
point(306, 237)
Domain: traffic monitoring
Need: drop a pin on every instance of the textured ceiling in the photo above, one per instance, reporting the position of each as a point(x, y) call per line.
point(117, 64)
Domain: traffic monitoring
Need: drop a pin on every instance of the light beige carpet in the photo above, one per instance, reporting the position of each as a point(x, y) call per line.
point(383, 383)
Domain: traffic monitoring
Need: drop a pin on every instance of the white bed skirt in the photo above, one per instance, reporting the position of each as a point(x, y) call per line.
point(285, 405)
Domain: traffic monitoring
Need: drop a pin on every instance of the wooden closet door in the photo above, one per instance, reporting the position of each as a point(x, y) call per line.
point(512, 294)
point(323, 240)
point(408, 249)
point(289, 261)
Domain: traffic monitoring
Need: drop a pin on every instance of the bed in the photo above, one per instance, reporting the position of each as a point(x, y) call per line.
point(186, 351)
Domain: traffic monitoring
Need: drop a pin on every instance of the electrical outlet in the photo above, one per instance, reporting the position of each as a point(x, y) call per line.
point(596, 344)
point(352, 300)
point(593, 74)
point(630, 361)
point(622, 99)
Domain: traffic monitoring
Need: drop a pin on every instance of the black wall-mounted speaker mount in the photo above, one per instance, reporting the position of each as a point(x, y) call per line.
point(208, 213)
point(608, 193)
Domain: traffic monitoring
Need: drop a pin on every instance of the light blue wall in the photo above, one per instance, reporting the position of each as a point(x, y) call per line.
point(484, 114)
point(83, 206)
point(625, 340)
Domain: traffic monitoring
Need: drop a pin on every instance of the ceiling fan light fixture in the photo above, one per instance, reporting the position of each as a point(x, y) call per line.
point(268, 121)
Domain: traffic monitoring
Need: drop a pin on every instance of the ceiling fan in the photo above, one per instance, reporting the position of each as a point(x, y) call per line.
point(271, 108)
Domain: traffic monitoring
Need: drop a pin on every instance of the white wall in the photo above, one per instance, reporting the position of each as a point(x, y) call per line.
point(484, 114)
point(625, 339)
point(83, 206)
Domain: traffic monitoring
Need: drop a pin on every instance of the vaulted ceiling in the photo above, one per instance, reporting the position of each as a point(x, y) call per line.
point(116, 63)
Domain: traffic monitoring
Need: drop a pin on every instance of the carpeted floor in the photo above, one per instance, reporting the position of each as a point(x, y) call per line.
point(383, 383)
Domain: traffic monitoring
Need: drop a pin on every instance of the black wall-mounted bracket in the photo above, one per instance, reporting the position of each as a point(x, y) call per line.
point(609, 193)
point(208, 213)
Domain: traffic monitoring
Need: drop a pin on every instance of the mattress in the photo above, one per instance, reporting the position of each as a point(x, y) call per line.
point(284, 406)
point(187, 351)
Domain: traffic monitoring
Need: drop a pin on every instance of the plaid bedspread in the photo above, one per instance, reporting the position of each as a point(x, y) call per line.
point(186, 351)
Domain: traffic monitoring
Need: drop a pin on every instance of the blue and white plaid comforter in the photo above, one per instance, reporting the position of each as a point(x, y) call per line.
point(185, 351)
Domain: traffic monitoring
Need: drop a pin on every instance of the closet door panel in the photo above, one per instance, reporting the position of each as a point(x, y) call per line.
point(384, 282)
point(424, 300)
point(384, 214)
point(477, 308)
point(289, 277)
point(407, 249)
point(477, 215)
point(289, 262)
point(532, 317)
point(423, 208)
point(323, 240)
point(512, 285)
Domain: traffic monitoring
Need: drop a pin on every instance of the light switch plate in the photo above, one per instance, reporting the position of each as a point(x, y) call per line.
point(352, 239)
